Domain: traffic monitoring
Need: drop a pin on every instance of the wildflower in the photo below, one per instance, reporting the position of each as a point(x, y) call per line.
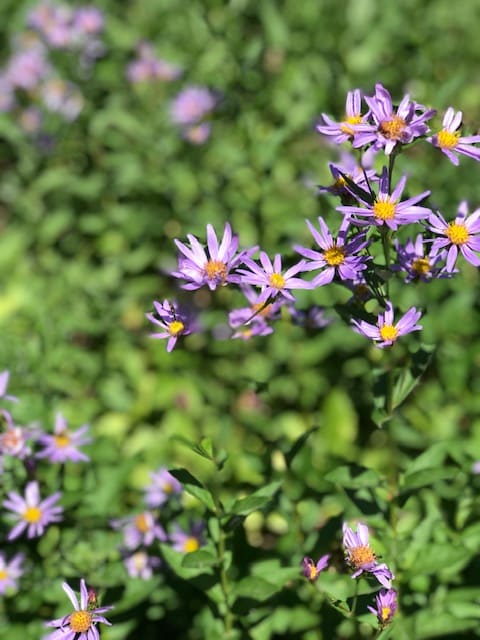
point(32, 513)
point(198, 133)
point(392, 126)
point(252, 321)
point(63, 98)
point(140, 529)
point(345, 130)
point(188, 541)
point(63, 444)
point(462, 234)
point(191, 105)
point(336, 256)
point(14, 440)
point(360, 175)
point(147, 66)
point(449, 140)
point(214, 266)
point(257, 327)
point(359, 555)
point(418, 265)
point(174, 321)
point(270, 278)
point(4, 378)
point(141, 565)
point(81, 624)
point(385, 333)
point(10, 571)
point(386, 605)
point(161, 488)
point(312, 570)
point(88, 21)
point(386, 209)
point(311, 318)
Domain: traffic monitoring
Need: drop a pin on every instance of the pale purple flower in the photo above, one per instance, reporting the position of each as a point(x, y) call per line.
point(360, 557)
point(385, 606)
point(14, 440)
point(463, 234)
point(361, 175)
point(385, 332)
point(161, 488)
point(257, 327)
point(7, 94)
point(10, 571)
point(212, 266)
point(4, 378)
point(392, 126)
point(311, 318)
point(197, 133)
point(336, 256)
point(26, 69)
point(63, 98)
point(88, 21)
point(141, 565)
point(387, 209)
point(251, 321)
point(32, 513)
point(449, 140)
point(53, 23)
point(476, 467)
point(191, 105)
point(345, 130)
point(81, 624)
point(30, 119)
point(172, 320)
point(148, 66)
point(188, 541)
point(417, 263)
point(312, 569)
point(270, 278)
point(141, 529)
point(63, 444)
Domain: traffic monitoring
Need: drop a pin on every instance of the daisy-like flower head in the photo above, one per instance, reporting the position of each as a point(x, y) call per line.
point(188, 541)
point(387, 209)
point(252, 321)
point(81, 624)
point(360, 557)
point(348, 166)
point(4, 378)
point(141, 529)
point(14, 440)
point(312, 569)
point(385, 332)
point(173, 320)
point(257, 327)
point(392, 126)
point(416, 263)
point(32, 513)
point(385, 606)
point(345, 130)
point(141, 565)
point(192, 104)
point(63, 444)
point(10, 571)
point(161, 488)
point(463, 234)
point(270, 278)
point(211, 267)
point(336, 256)
point(449, 140)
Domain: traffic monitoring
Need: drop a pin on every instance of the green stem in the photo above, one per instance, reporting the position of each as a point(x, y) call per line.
point(228, 617)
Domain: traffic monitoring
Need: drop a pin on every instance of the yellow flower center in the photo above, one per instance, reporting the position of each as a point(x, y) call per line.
point(176, 327)
point(421, 266)
point(62, 439)
point(384, 210)
point(334, 256)
point(345, 128)
point(32, 515)
point(457, 233)
point(190, 544)
point(388, 333)
point(3, 574)
point(277, 281)
point(312, 570)
point(142, 523)
point(80, 621)
point(140, 560)
point(447, 140)
point(168, 487)
point(216, 270)
point(360, 556)
point(393, 129)
point(385, 613)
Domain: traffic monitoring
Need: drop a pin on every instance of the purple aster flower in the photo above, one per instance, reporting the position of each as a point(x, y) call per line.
point(214, 266)
point(27, 68)
point(141, 529)
point(345, 130)
point(449, 141)
point(385, 606)
point(63, 444)
point(173, 321)
point(392, 126)
point(348, 166)
point(312, 318)
point(311, 570)
point(191, 105)
point(257, 327)
point(161, 488)
point(14, 440)
point(197, 133)
point(462, 234)
point(32, 513)
point(141, 565)
point(360, 557)
point(270, 278)
point(10, 571)
point(337, 257)
point(252, 321)
point(386, 209)
point(88, 21)
point(418, 265)
point(385, 333)
point(63, 98)
point(81, 624)
point(188, 541)
point(147, 66)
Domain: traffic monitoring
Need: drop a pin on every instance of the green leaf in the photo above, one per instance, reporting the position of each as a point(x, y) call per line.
point(176, 561)
point(257, 500)
point(410, 377)
point(354, 477)
point(298, 444)
point(425, 477)
point(203, 449)
point(256, 588)
point(199, 559)
point(441, 557)
point(194, 487)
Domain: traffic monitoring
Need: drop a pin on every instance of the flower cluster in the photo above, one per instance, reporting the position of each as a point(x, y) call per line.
point(369, 248)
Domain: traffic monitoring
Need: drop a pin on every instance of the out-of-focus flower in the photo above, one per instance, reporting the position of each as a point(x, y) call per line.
point(345, 130)
point(173, 321)
point(312, 570)
point(88, 21)
point(463, 234)
point(63, 98)
point(10, 571)
point(14, 440)
point(4, 378)
point(385, 333)
point(197, 133)
point(81, 624)
point(360, 557)
point(312, 318)
point(268, 275)
point(191, 105)
point(252, 321)
point(161, 488)
point(141, 529)
point(449, 140)
point(63, 444)
point(148, 66)
point(416, 263)
point(257, 327)
point(188, 541)
point(141, 565)
point(30, 119)
point(27, 69)
point(53, 22)
point(385, 606)
point(348, 167)
point(32, 513)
